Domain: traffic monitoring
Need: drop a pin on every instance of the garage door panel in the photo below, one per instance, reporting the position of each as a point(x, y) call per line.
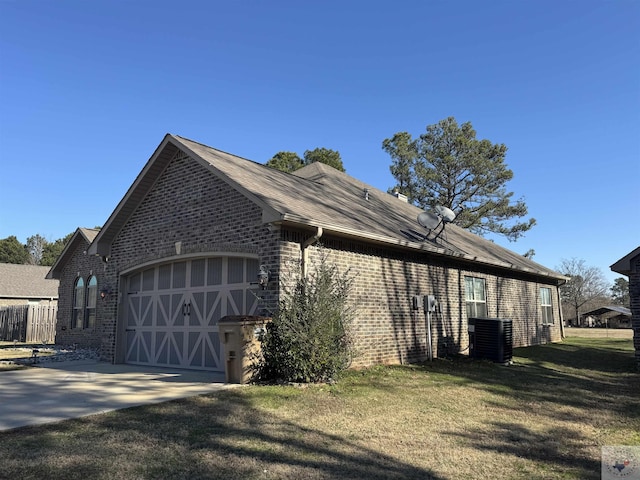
point(213, 308)
point(212, 354)
point(204, 351)
point(133, 307)
point(197, 273)
point(214, 271)
point(234, 302)
point(196, 348)
point(145, 351)
point(176, 347)
point(163, 310)
point(177, 310)
point(164, 277)
point(179, 275)
point(132, 345)
point(162, 355)
point(146, 311)
point(197, 309)
point(139, 346)
point(174, 310)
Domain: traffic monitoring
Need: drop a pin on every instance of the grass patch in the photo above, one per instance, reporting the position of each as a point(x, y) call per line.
point(13, 353)
point(544, 417)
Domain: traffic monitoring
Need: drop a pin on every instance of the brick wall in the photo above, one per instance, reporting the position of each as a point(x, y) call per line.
point(80, 264)
point(387, 330)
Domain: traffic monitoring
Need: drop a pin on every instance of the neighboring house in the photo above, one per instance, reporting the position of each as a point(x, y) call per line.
point(28, 303)
point(629, 265)
point(185, 245)
point(613, 316)
point(26, 284)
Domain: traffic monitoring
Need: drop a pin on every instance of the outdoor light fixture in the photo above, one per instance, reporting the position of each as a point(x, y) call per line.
point(105, 293)
point(263, 276)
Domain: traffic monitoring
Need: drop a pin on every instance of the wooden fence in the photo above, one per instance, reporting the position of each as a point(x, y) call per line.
point(28, 323)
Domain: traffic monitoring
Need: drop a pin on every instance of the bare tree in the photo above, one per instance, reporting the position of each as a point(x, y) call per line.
point(585, 284)
point(35, 246)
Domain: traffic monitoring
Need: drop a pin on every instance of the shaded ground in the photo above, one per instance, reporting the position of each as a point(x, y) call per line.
point(544, 417)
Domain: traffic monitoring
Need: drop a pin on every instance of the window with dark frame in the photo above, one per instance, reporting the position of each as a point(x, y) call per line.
point(546, 305)
point(92, 297)
point(78, 304)
point(475, 297)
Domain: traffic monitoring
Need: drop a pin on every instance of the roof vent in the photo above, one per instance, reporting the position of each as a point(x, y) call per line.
point(400, 196)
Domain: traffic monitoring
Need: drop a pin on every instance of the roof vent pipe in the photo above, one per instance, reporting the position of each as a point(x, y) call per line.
point(305, 252)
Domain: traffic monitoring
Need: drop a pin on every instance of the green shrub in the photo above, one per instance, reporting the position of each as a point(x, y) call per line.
point(308, 339)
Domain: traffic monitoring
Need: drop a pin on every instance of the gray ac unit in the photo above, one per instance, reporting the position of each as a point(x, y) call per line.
point(491, 339)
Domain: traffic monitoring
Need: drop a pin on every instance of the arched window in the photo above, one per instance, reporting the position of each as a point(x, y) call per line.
point(92, 296)
point(78, 304)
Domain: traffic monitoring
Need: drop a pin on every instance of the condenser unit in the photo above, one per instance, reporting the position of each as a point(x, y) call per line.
point(491, 339)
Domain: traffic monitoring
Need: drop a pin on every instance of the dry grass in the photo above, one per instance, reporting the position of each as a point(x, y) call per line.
point(5, 367)
point(599, 332)
point(544, 417)
point(22, 351)
point(13, 353)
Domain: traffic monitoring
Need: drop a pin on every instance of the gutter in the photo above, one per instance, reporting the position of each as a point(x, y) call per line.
point(421, 247)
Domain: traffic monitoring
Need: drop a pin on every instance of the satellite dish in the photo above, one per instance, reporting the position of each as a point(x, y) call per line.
point(446, 213)
point(428, 220)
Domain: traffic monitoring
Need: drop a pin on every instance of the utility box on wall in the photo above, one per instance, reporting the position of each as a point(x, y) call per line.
point(491, 339)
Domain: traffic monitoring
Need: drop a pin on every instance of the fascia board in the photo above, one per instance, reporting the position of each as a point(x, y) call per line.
point(406, 244)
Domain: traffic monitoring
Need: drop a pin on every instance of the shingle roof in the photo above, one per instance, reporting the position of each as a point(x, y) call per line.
point(26, 282)
point(609, 309)
point(86, 235)
point(321, 196)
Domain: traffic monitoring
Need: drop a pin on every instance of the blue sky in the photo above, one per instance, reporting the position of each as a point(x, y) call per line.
point(88, 90)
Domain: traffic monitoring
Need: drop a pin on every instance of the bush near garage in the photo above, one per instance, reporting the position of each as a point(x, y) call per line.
point(308, 339)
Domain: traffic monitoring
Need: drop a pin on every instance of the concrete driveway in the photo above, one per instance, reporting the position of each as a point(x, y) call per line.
point(59, 391)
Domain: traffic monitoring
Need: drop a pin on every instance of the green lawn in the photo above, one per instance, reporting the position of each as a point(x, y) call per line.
point(544, 417)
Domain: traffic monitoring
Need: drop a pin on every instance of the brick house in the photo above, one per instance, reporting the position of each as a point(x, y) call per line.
point(184, 247)
point(629, 265)
point(79, 275)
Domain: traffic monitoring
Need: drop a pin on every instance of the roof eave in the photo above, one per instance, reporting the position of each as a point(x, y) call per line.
point(623, 266)
point(415, 246)
point(56, 269)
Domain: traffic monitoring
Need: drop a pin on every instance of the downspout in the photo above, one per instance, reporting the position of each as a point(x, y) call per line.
point(305, 252)
point(562, 334)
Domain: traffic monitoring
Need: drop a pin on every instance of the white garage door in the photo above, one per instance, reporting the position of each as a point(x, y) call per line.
point(172, 310)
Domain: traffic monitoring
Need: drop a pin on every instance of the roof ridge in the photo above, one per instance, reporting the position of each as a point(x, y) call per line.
point(255, 162)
